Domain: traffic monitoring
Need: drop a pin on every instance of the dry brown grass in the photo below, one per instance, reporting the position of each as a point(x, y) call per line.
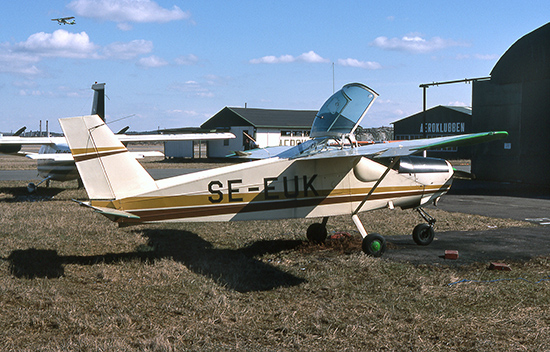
point(70, 280)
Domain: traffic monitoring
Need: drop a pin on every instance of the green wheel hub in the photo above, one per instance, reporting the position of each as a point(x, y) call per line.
point(375, 246)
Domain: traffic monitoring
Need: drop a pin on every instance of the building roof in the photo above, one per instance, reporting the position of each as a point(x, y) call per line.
point(528, 59)
point(266, 118)
point(462, 109)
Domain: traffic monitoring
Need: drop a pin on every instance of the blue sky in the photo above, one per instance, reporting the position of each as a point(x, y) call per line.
point(176, 63)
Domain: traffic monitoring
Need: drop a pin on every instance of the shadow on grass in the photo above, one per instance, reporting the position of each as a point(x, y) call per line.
point(21, 194)
point(235, 269)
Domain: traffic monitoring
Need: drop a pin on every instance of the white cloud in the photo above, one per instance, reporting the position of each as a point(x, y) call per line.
point(486, 57)
point(152, 61)
point(193, 88)
point(123, 26)
point(129, 50)
point(309, 57)
point(58, 44)
point(457, 103)
point(186, 60)
point(369, 65)
point(23, 57)
point(137, 11)
point(414, 43)
point(18, 63)
point(179, 112)
point(483, 57)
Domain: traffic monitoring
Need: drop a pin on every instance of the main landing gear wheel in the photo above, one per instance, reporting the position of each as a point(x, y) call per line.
point(317, 233)
point(423, 234)
point(31, 187)
point(374, 245)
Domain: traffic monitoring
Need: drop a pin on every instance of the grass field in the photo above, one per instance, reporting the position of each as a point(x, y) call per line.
point(70, 280)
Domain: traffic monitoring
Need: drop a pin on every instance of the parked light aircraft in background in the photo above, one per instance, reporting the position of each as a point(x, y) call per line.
point(54, 159)
point(64, 20)
point(322, 177)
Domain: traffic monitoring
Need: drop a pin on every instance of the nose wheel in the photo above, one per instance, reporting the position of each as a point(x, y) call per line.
point(423, 234)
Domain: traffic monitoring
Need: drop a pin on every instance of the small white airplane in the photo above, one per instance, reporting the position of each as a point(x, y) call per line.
point(54, 160)
point(326, 176)
point(64, 20)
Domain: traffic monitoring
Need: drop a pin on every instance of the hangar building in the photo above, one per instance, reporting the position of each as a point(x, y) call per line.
point(516, 99)
point(266, 127)
point(437, 122)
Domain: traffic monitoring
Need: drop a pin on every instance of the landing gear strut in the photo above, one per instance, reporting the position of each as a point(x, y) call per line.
point(423, 234)
point(373, 244)
point(31, 187)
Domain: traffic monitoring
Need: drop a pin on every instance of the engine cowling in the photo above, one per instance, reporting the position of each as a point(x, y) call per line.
point(421, 165)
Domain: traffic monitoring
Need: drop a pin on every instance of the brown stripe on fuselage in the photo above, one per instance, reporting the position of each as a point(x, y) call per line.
point(188, 200)
point(259, 206)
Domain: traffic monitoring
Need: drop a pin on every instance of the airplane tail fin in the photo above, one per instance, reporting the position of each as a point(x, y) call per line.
point(98, 105)
point(107, 169)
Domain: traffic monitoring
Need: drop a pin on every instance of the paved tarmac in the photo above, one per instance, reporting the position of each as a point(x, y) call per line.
point(493, 199)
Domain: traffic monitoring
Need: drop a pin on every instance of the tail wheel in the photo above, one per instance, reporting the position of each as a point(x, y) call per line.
point(31, 187)
point(374, 245)
point(423, 234)
point(317, 233)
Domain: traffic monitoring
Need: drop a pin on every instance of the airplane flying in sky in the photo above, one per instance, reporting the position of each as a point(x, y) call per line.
point(326, 176)
point(64, 20)
point(54, 159)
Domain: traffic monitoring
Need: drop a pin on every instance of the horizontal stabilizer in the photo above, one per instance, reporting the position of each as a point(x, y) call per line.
point(111, 213)
point(141, 155)
point(50, 156)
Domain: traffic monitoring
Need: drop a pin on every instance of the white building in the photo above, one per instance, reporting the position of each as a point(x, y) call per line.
point(253, 128)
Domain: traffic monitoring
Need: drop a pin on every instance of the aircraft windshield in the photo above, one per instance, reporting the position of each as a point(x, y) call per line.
point(343, 111)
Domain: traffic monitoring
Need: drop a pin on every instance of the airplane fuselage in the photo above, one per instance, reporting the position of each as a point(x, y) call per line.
point(54, 169)
point(282, 188)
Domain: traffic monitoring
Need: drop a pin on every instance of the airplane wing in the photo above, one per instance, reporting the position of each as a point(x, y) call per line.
point(403, 148)
point(12, 144)
point(51, 156)
point(259, 153)
point(17, 140)
point(126, 138)
point(69, 156)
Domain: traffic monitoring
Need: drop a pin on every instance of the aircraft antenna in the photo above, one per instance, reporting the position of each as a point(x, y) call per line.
point(122, 118)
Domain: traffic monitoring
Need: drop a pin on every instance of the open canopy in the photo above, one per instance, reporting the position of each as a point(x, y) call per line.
point(343, 111)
